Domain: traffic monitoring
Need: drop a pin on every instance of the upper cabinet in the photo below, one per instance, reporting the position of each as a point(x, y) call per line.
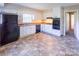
point(1, 4)
point(56, 12)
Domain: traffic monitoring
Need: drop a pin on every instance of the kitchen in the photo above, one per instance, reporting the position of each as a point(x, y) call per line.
point(34, 30)
point(30, 21)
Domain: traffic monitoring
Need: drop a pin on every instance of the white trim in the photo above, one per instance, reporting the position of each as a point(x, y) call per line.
point(76, 16)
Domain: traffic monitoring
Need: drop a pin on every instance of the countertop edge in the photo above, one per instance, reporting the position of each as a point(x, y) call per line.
point(30, 24)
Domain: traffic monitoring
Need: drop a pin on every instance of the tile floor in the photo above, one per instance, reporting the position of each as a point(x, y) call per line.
point(42, 44)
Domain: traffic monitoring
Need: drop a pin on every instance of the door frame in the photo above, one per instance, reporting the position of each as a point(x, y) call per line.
point(65, 17)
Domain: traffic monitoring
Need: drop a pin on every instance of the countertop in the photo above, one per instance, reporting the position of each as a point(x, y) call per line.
point(30, 24)
point(37, 22)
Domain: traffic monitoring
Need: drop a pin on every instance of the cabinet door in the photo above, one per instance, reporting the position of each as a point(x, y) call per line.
point(42, 27)
point(27, 30)
point(31, 29)
point(46, 27)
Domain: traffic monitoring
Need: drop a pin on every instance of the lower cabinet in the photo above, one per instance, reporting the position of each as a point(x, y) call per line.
point(27, 30)
point(48, 29)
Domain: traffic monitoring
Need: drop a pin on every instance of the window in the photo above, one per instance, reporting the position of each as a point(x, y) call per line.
point(27, 18)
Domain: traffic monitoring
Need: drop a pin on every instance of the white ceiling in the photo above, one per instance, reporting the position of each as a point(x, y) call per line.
point(46, 6)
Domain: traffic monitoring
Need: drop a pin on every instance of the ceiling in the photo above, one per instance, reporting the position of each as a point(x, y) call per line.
point(45, 6)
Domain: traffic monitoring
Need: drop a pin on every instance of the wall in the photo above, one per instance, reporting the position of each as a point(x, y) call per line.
point(47, 13)
point(62, 23)
point(67, 15)
point(77, 26)
point(72, 22)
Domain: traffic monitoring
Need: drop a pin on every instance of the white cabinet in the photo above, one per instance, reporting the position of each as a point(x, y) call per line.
point(49, 29)
point(42, 27)
point(10, 10)
point(45, 28)
point(27, 30)
point(1, 4)
point(57, 12)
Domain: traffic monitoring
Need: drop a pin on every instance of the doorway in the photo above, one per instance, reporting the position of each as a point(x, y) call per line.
point(70, 23)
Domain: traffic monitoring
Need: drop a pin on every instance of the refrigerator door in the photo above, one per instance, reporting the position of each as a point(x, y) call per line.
point(10, 29)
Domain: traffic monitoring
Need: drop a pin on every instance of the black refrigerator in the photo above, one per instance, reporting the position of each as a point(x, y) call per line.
point(9, 29)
